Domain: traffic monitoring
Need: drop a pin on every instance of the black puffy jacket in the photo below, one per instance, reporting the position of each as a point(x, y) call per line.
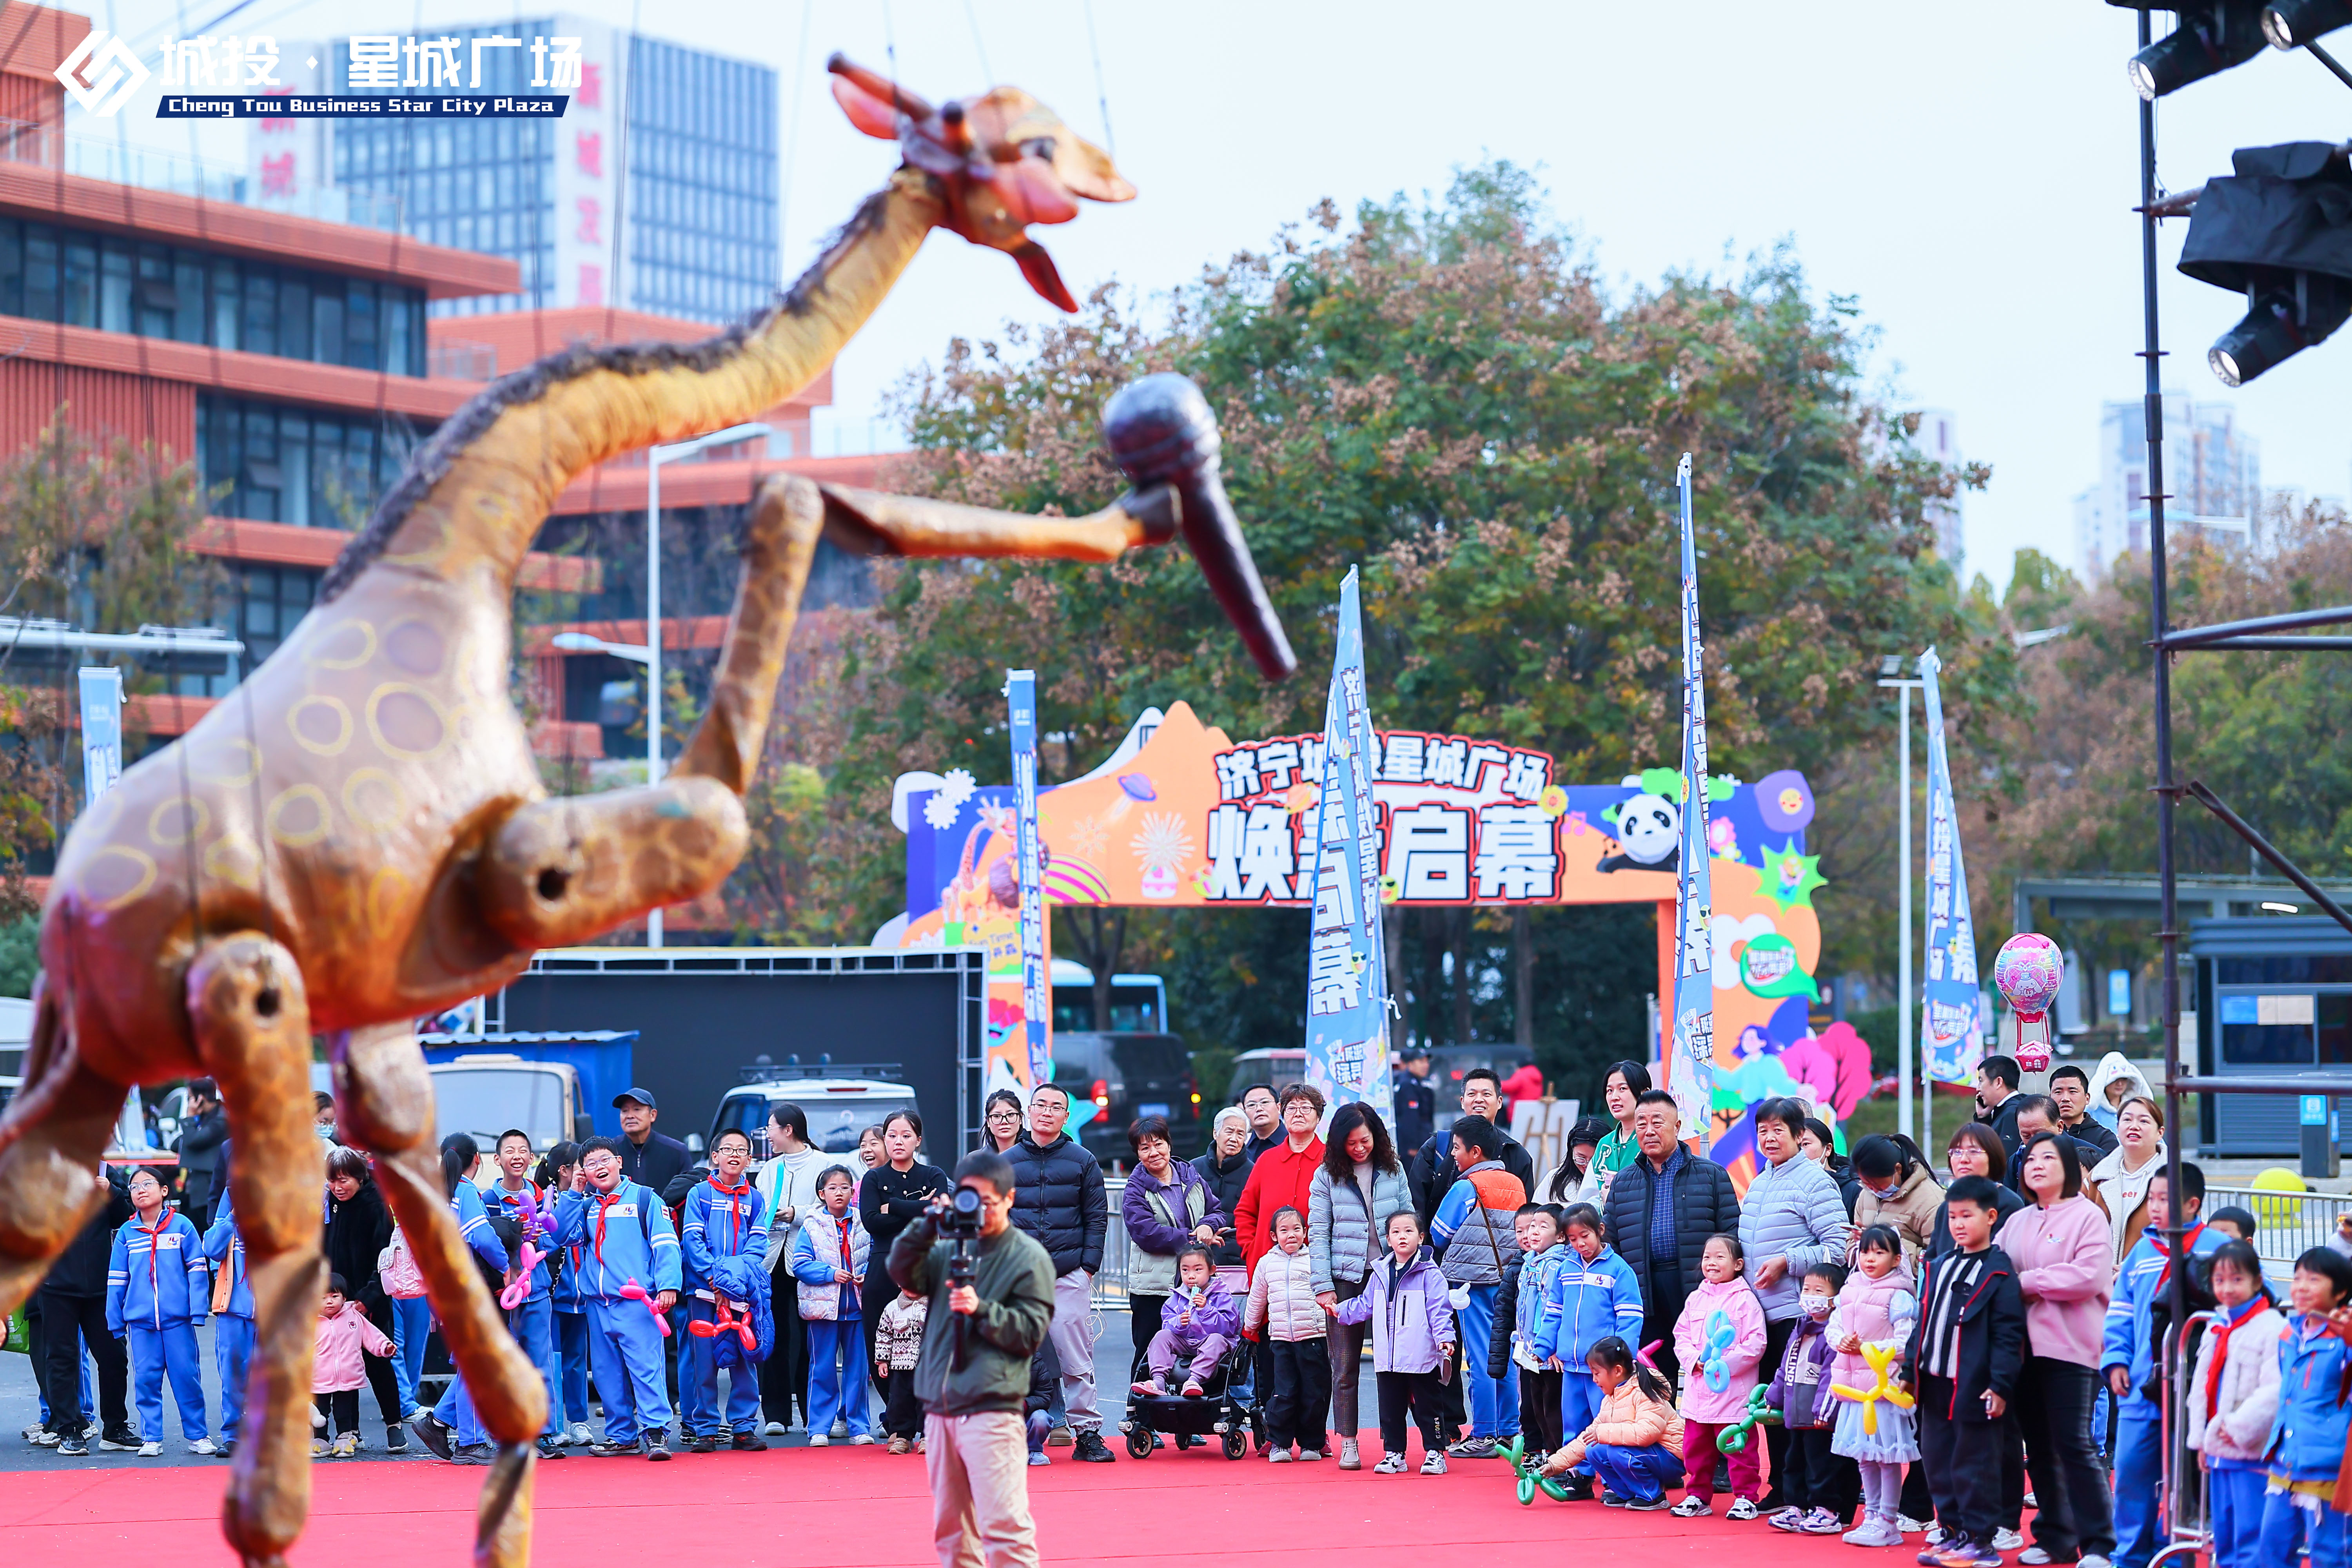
point(357, 1233)
point(1059, 1200)
point(1705, 1206)
point(80, 1268)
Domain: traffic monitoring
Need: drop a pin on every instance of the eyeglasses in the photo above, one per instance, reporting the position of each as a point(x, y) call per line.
point(1005, 1113)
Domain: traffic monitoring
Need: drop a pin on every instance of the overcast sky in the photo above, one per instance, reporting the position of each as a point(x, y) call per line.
point(1963, 172)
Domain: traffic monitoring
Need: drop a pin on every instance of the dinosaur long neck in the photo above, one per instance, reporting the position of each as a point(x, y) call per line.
point(476, 497)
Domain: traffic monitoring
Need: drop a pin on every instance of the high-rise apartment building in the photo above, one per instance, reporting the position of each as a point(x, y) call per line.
point(2212, 481)
point(655, 192)
point(1938, 439)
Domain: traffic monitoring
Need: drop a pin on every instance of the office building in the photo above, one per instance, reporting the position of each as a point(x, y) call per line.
point(2213, 480)
point(1938, 440)
point(655, 192)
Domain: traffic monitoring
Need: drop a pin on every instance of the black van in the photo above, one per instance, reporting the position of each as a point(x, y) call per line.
point(1124, 1077)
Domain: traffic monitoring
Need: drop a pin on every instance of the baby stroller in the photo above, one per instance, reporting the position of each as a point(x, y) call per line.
point(1217, 1412)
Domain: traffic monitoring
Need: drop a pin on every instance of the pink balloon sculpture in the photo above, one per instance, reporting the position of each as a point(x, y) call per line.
point(518, 1290)
point(636, 1292)
point(2028, 973)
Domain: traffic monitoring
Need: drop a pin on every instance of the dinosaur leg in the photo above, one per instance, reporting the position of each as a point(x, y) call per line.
point(49, 1184)
point(384, 1099)
point(252, 1025)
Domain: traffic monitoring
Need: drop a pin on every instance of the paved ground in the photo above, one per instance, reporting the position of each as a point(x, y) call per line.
point(20, 1408)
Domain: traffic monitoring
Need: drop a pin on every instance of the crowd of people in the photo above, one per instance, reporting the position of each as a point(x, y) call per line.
point(1856, 1345)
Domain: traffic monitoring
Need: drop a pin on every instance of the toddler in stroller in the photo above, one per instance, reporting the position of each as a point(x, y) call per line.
point(1201, 1325)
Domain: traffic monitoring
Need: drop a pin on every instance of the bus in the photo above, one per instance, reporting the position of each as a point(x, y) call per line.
point(1139, 1003)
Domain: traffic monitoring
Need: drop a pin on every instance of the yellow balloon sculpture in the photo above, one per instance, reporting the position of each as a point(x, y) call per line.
point(1880, 1358)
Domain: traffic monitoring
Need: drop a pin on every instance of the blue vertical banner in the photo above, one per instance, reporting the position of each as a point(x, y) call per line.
point(1949, 998)
point(1036, 995)
point(1347, 969)
point(102, 732)
point(1690, 1072)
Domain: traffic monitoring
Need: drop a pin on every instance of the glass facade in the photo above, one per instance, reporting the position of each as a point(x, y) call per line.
point(695, 135)
point(51, 273)
point(307, 466)
point(701, 183)
point(270, 600)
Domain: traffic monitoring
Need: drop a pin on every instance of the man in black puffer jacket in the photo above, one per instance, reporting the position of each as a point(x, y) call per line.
point(1059, 1203)
point(1663, 1243)
point(73, 1314)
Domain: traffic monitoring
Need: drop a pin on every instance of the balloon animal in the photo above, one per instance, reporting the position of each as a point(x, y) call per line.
point(357, 836)
point(1532, 1476)
point(1880, 1357)
point(1734, 1437)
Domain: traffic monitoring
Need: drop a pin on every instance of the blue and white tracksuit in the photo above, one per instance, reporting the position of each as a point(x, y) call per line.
point(571, 1318)
point(719, 1222)
point(822, 1245)
point(457, 1407)
point(2140, 1283)
point(158, 1288)
point(2307, 1446)
point(233, 1324)
point(1588, 1303)
point(625, 1236)
point(533, 1323)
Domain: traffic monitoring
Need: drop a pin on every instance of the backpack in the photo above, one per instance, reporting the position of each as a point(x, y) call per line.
point(397, 1270)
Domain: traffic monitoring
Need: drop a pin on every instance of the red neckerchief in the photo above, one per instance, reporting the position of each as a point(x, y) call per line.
point(154, 1280)
point(736, 1217)
point(604, 1202)
point(2188, 1248)
point(2222, 1353)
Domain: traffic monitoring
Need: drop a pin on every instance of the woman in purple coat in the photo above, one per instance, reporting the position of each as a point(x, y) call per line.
point(1167, 1207)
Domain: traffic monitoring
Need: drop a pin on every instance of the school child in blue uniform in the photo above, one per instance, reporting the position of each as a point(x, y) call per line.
point(2128, 1361)
point(1592, 1297)
point(829, 1257)
point(570, 1314)
point(158, 1288)
point(533, 1323)
point(725, 1238)
point(451, 1429)
point(625, 1236)
point(2307, 1438)
point(233, 1324)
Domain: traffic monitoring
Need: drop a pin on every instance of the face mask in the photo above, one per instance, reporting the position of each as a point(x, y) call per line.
point(1814, 1306)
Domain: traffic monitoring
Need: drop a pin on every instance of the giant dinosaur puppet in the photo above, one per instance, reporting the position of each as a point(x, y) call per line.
point(358, 837)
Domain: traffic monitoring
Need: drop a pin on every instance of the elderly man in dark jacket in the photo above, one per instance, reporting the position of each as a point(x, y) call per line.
point(1661, 1210)
point(1059, 1203)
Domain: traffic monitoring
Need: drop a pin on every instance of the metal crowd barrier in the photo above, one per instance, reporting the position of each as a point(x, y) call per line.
point(1110, 1284)
point(2287, 1225)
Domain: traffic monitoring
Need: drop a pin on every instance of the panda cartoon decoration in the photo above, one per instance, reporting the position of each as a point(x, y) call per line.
point(1648, 829)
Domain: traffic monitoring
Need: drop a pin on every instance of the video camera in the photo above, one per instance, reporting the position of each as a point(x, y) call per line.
point(960, 1222)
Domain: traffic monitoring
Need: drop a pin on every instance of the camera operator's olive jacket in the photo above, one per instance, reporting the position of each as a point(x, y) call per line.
point(1015, 1278)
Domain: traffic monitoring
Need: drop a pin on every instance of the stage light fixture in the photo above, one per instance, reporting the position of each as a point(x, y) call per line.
point(2279, 231)
point(2210, 38)
point(2291, 24)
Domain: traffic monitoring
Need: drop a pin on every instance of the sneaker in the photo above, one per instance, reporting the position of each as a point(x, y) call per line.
point(581, 1437)
point(2093, 1560)
point(1472, 1449)
point(819, 1439)
point(696, 1443)
point(1580, 1489)
point(862, 1441)
point(42, 1437)
point(1935, 1536)
point(2007, 1540)
point(776, 1429)
point(1742, 1508)
point(1933, 1552)
point(229, 1449)
point(2031, 1502)
point(748, 1443)
point(473, 1453)
point(1875, 1530)
point(431, 1433)
point(74, 1447)
point(122, 1442)
point(151, 1450)
point(609, 1448)
point(1390, 1464)
point(1790, 1518)
point(898, 1445)
point(1648, 1504)
point(1909, 1526)
point(1279, 1457)
point(318, 1418)
point(1310, 1453)
point(346, 1446)
point(1059, 1437)
point(2035, 1556)
point(1968, 1554)
point(1089, 1446)
point(395, 1439)
point(1614, 1500)
point(547, 1448)
point(1037, 1457)
point(840, 1428)
point(657, 1447)
point(1349, 1459)
point(1822, 1522)
point(1692, 1506)
point(207, 1447)
point(1434, 1464)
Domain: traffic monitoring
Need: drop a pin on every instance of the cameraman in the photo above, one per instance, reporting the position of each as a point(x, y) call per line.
point(973, 1372)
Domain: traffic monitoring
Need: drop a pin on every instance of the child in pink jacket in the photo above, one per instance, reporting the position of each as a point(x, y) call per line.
point(1720, 1339)
point(336, 1370)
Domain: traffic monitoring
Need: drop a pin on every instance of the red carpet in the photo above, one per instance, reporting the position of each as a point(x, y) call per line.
point(860, 1508)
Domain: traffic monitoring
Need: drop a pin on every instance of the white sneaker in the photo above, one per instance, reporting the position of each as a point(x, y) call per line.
point(151, 1450)
point(581, 1436)
point(1279, 1457)
point(819, 1439)
point(40, 1438)
point(204, 1446)
point(318, 1418)
point(1434, 1464)
point(2092, 1560)
point(776, 1429)
point(2007, 1540)
point(1390, 1464)
point(1310, 1453)
point(840, 1428)
point(1349, 1458)
point(1692, 1508)
point(862, 1440)
point(1935, 1536)
point(1907, 1525)
point(1741, 1508)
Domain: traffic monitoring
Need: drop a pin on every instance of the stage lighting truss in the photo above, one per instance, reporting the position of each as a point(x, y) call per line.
point(2211, 37)
point(2279, 231)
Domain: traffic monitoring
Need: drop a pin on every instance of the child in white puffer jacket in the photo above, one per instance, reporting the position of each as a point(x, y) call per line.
point(2232, 1400)
point(1282, 1306)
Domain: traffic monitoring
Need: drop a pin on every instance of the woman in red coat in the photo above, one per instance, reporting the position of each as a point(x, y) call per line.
point(1282, 1175)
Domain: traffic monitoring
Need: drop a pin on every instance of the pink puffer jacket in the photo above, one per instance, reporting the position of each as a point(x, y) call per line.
point(1874, 1311)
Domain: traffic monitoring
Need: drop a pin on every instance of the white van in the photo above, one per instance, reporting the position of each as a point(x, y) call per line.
point(838, 1109)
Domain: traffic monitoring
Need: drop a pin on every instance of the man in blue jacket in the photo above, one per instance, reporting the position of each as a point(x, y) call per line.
point(158, 1288)
point(626, 1240)
point(726, 1219)
point(2127, 1361)
point(233, 1324)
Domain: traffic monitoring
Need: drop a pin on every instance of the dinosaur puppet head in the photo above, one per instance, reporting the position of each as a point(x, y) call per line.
point(1005, 160)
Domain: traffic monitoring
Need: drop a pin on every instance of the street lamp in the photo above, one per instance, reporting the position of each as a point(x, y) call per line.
point(1890, 674)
